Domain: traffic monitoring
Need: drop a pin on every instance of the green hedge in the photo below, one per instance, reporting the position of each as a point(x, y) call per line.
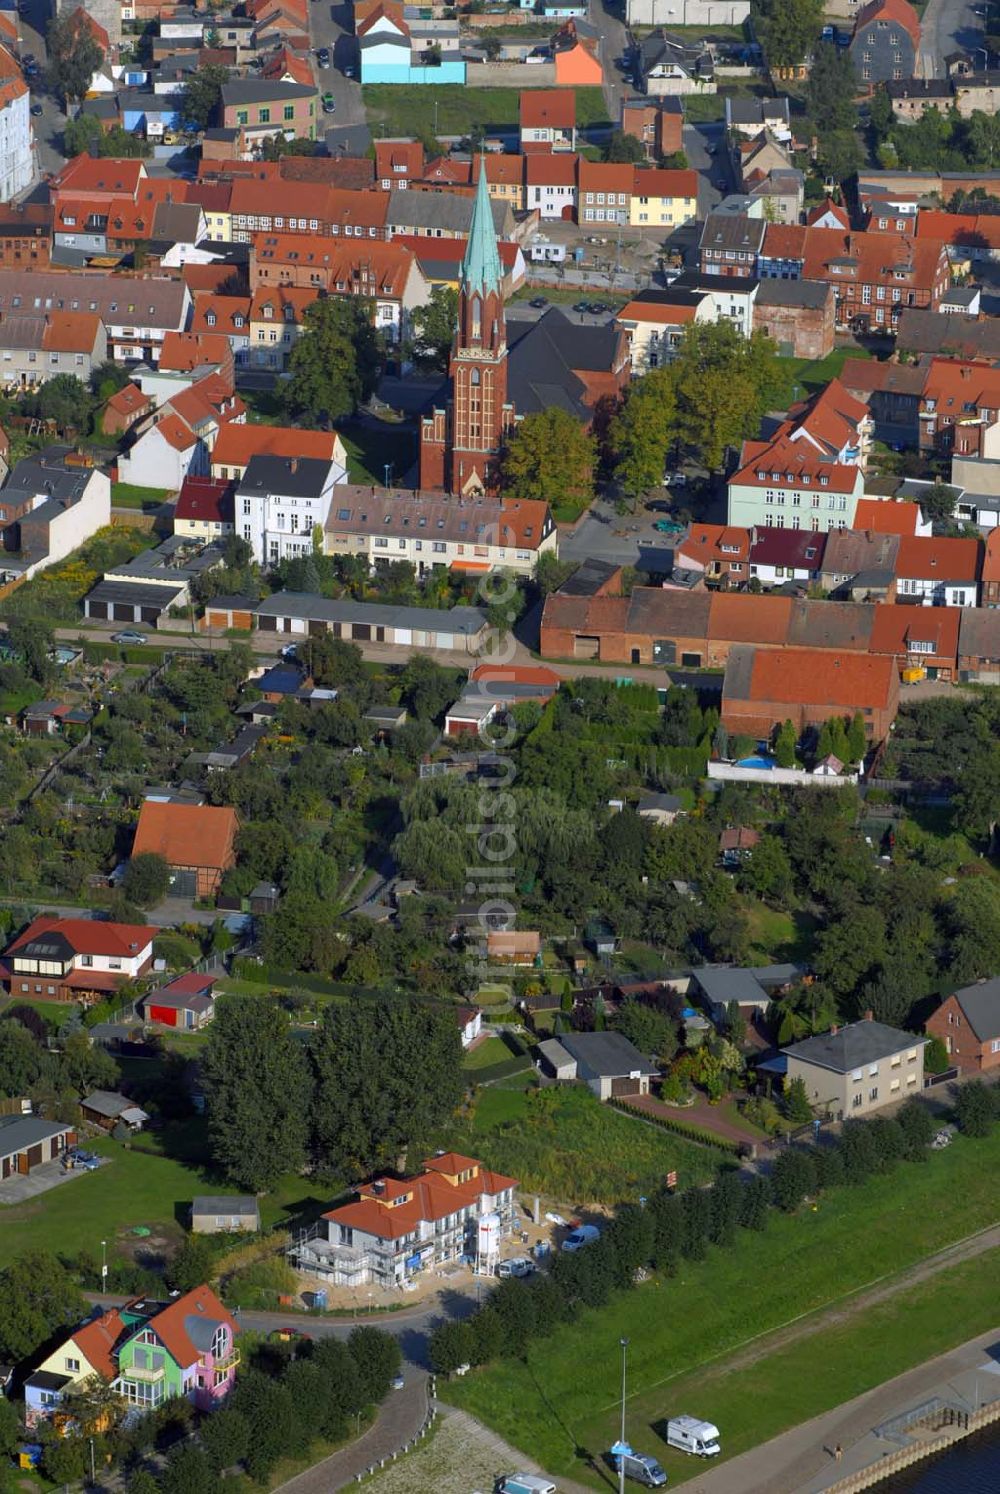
point(505, 1069)
point(682, 1128)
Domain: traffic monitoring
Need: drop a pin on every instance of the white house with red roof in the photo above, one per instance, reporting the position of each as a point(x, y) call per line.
point(75, 959)
point(786, 485)
point(398, 1227)
point(15, 129)
point(780, 555)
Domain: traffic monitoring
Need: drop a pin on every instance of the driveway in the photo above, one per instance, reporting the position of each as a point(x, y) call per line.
point(19, 1189)
point(949, 26)
point(332, 26)
point(48, 128)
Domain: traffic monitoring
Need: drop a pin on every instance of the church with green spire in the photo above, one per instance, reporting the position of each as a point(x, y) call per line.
point(460, 444)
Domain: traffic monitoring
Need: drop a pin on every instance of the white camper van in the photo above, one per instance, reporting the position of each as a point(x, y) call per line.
point(691, 1435)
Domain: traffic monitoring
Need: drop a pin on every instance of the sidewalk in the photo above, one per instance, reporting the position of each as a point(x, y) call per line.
point(399, 1419)
point(801, 1461)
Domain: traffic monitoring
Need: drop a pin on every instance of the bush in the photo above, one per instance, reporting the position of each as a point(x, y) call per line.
point(793, 1178)
point(975, 1109)
point(260, 1284)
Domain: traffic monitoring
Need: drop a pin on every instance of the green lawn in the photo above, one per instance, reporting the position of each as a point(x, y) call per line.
point(493, 1050)
point(54, 1012)
point(791, 1385)
point(804, 375)
point(677, 1327)
point(409, 109)
point(776, 935)
point(137, 1186)
point(129, 495)
point(369, 449)
point(566, 1144)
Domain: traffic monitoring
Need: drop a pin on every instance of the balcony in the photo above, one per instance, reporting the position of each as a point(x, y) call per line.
point(146, 1376)
point(227, 1362)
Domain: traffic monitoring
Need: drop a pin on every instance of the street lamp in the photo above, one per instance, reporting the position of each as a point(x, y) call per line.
point(104, 1265)
point(621, 1454)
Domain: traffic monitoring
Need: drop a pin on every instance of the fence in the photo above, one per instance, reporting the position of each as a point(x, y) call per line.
point(733, 773)
point(905, 1457)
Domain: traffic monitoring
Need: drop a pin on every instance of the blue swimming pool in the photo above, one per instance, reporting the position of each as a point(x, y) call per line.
point(755, 762)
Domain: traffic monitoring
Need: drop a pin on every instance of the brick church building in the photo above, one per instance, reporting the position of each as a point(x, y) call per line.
point(460, 444)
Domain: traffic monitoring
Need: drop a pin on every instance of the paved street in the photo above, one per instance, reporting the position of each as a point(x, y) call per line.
point(172, 911)
point(608, 19)
point(949, 26)
point(48, 128)
point(332, 26)
point(399, 1419)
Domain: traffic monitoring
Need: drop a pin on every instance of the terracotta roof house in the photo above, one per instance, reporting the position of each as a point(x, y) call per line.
point(398, 1226)
point(874, 514)
point(991, 569)
point(123, 410)
point(876, 275)
point(75, 959)
point(204, 507)
point(939, 571)
point(960, 407)
point(237, 445)
point(765, 687)
point(547, 118)
point(720, 551)
point(919, 637)
point(197, 841)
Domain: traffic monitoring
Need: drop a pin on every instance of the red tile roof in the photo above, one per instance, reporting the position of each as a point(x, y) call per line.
point(816, 677)
point(236, 444)
point(428, 1196)
point(705, 543)
point(188, 834)
point(605, 176)
point(226, 310)
point(205, 499)
point(547, 108)
point(519, 674)
point(887, 517)
point(129, 400)
point(653, 181)
point(184, 351)
point(100, 175)
point(961, 387)
point(896, 628)
point(171, 1326)
point(991, 556)
point(732, 620)
point(800, 549)
point(928, 557)
point(551, 169)
point(400, 160)
point(831, 420)
point(971, 230)
point(793, 465)
point(70, 332)
point(89, 935)
point(96, 1341)
point(825, 207)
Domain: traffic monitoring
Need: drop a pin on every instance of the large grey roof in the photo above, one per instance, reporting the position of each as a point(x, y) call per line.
point(46, 472)
point(981, 1006)
point(309, 606)
point(254, 91)
point(605, 1055)
point(20, 1131)
point(106, 1102)
point(295, 477)
point(808, 293)
point(543, 356)
point(853, 1046)
point(224, 1203)
point(749, 985)
point(979, 633)
point(147, 300)
point(588, 578)
point(438, 210)
point(134, 594)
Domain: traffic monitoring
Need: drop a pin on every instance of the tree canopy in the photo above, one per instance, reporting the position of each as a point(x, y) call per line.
point(336, 361)
point(74, 57)
point(550, 455)
point(434, 327)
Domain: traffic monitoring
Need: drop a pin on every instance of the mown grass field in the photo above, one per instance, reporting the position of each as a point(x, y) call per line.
point(410, 109)
point(678, 1328)
point(804, 375)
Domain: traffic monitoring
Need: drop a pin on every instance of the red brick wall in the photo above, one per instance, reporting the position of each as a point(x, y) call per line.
point(967, 1052)
point(809, 332)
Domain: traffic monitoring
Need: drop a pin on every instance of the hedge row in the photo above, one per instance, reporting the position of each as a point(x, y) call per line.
point(502, 1070)
point(682, 1128)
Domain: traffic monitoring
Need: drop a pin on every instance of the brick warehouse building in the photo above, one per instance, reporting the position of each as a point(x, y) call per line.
point(764, 687)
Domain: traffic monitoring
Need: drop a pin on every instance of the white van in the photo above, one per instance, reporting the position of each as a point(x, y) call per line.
point(691, 1435)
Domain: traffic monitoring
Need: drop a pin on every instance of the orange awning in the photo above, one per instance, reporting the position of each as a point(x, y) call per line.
point(470, 565)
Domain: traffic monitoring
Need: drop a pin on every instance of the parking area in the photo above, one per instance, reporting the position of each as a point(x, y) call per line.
point(23, 1186)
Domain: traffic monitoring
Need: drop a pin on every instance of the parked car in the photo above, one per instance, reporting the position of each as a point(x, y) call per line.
point(581, 306)
point(329, 105)
point(525, 1483)
point(86, 1160)
point(129, 635)
point(539, 302)
point(323, 56)
point(520, 1265)
point(668, 526)
point(674, 480)
point(641, 1467)
point(36, 110)
point(596, 308)
point(398, 1381)
point(584, 1234)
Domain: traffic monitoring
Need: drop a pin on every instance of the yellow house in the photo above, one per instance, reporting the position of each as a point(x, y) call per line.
point(663, 198)
point(86, 1354)
point(276, 313)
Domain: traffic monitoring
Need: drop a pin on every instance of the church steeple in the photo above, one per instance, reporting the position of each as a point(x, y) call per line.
point(481, 269)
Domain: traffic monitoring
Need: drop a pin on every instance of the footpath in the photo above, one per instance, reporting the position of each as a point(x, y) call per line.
point(803, 1461)
point(399, 1421)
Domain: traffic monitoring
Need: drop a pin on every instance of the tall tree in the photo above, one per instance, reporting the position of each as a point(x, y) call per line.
point(257, 1085)
point(74, 57)
point(434, 327)
point(201, 94)
point(388, 1074)
point(624, 148)
point(724, 383)
point(336, 362)
point(550, 456)
point(37, 1298)
point(789, 29)
point(832, 89)
point(641, 432)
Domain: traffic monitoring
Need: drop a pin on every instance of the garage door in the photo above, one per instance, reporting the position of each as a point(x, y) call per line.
point(97, 609)
point(123, 612)
point(442, 640)
point(585, 647)
point(149, 615)
point(361, 632)
point(625, 1086)
point(34, 1155)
